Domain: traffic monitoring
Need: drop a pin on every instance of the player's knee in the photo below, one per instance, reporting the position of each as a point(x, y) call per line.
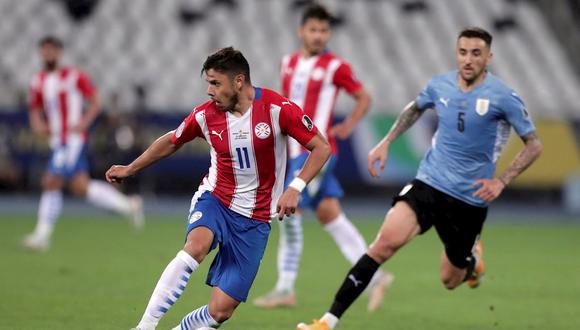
point(221, 315)
point(78, 189)
point(382, 249)
point(196, 250)
point(50, 183)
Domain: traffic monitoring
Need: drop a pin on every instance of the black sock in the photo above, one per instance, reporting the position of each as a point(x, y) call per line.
point(470, 267)
point(354, 284)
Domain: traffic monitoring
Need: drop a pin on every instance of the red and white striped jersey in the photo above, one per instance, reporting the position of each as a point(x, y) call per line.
point(248, 153)
point(60, 94)
point(313, 84)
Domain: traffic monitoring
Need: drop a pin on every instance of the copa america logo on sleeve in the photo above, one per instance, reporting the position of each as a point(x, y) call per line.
point(262, 130)
point(307, 122)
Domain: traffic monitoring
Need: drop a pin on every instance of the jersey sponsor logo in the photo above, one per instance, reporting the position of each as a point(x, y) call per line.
point(262, 130)
point(444, 101)
point(179, 130)
point(307, 122)
point(482, 106)
point(317, 74)
point(218, 134)
point(195, 216)
point(405, 189)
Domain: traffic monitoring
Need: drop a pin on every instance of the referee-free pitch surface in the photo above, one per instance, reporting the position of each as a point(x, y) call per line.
point(99, 274)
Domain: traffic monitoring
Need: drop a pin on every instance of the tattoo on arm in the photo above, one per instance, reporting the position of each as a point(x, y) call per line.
point(525, 158)
point(405, 120)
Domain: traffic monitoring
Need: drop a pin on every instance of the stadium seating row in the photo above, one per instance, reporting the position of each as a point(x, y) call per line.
point(394, 46)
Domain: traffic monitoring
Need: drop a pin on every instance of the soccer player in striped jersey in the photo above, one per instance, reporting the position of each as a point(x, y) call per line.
point(57, 113)
point(455, 182)
point(247, 129)
point(312, 78)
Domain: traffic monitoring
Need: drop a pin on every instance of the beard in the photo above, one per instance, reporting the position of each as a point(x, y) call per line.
point(50, 65)
point(231, 103)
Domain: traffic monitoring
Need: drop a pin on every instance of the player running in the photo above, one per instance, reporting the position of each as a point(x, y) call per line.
point(312, 78)
point(455, 182)
point(56, 113)
point(247, 129)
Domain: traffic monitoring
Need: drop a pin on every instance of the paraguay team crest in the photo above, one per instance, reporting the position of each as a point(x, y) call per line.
point(482, 106)
point(262, 130)
point(317, 74)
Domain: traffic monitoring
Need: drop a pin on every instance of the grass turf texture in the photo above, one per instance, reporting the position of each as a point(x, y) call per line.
point(99, 275)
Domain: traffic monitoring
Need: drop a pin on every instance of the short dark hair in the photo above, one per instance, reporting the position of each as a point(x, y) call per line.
point(50, 40)
point(476, 32)
point(229, 61)
point(317, 11)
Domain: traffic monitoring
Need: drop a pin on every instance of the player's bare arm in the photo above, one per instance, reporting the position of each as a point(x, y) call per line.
point(319, 154)
point(93, 109)
point(406, 119)
point(492, 188)
point(343, 129)
point(38, 123)
point(161, 148)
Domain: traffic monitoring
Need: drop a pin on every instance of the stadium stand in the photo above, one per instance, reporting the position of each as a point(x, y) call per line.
point(157, 47)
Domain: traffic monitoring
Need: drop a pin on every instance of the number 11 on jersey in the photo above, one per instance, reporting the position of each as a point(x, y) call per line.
point(241, 159)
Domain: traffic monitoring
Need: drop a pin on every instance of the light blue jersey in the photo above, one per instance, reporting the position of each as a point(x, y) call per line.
point(472, 131)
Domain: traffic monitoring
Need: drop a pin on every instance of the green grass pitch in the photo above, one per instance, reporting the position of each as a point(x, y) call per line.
point(99, 274)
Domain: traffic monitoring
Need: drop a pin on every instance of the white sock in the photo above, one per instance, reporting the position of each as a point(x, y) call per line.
point(106, 196)
point(349, 241)
point(197, 319)
point(48, 212)
point(169, 288)
point(347, 237)
point(330, 319)
point(289, 252)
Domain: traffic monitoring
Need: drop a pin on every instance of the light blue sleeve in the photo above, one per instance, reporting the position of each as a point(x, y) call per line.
point(516, 114)
point(426, 100)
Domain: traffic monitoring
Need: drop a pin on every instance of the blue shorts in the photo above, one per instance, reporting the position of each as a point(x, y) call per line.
point(324, 184)
point(242, 242)
point(67, 161)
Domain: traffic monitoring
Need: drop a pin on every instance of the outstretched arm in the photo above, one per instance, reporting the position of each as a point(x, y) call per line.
point(379, 153)
point(319, 154)
point(161, 148)
point(491, 188)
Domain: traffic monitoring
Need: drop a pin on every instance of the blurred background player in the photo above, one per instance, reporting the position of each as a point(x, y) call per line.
point(57, 96)
point(312, 78)
point(455, 182)
point(247, 129)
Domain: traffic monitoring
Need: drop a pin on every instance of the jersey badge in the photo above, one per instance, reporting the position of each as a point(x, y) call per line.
point(262, 130)
point(317, 74)
point(482, 106)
